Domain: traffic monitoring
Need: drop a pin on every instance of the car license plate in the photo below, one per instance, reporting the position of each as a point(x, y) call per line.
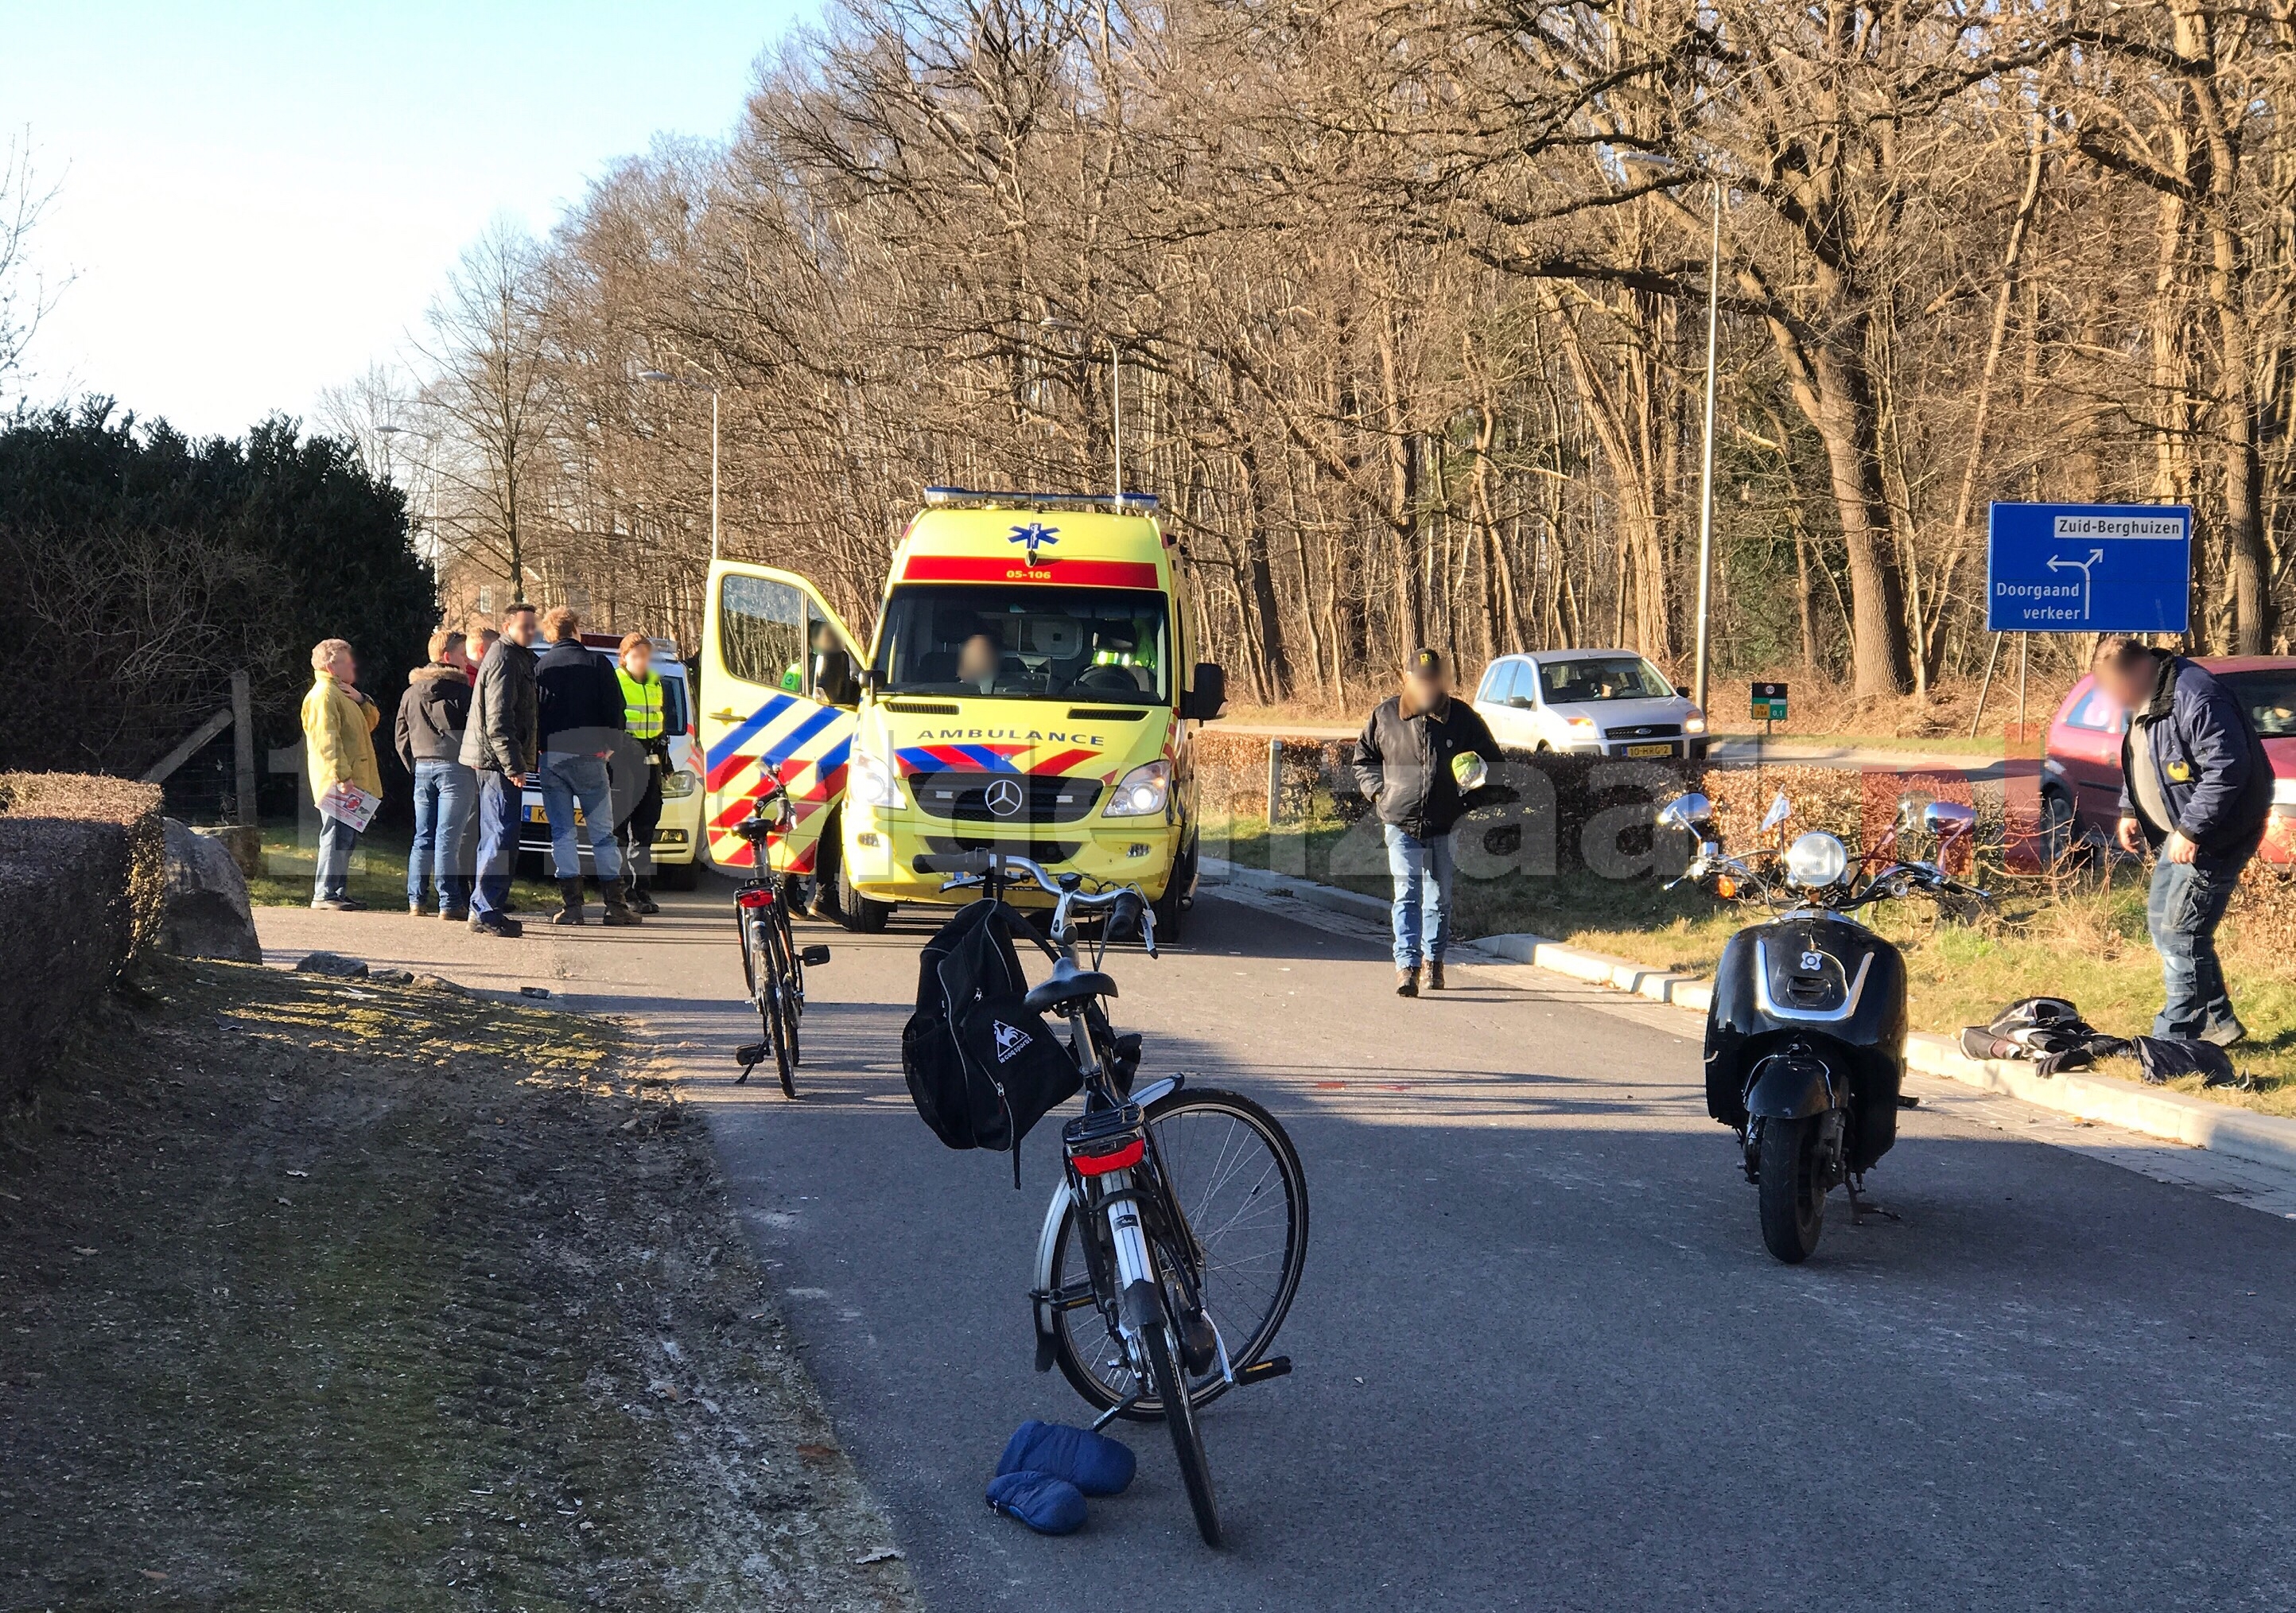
point(1650, 750)
point(537, 815)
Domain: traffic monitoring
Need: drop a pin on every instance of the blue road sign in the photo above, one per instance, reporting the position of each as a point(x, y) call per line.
point(2089, 569)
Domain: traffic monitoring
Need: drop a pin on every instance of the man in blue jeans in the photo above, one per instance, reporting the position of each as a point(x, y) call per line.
point(499, 745)
point(581, 721)
point(431, 717)
point(1420, 754)
point(2196, 788)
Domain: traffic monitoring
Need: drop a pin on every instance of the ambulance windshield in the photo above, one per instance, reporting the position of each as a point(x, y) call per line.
point(1100, 644)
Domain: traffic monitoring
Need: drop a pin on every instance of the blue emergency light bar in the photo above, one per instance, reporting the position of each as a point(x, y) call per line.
point(947, 498)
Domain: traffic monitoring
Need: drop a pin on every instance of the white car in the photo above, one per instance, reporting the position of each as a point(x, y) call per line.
point(1589, 702)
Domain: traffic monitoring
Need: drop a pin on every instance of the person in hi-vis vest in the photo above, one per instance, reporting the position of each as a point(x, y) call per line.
point(642, 715)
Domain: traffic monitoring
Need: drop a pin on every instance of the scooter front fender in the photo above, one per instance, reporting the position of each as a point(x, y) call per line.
point(1791, 1087)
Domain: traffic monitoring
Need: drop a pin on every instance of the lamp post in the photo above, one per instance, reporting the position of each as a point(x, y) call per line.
point(664, 378)
point(1706, 455)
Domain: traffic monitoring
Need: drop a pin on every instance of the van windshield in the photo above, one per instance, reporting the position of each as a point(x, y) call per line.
point(1106, 644)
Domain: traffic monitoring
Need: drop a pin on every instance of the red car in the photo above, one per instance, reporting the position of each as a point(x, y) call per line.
point(2080, 782)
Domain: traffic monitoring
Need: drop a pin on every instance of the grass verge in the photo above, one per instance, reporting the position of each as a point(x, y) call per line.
point(378, 873)
point(345, 1294)
point(2087, 943)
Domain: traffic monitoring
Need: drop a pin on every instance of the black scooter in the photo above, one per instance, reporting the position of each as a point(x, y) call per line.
point(1806, 1039)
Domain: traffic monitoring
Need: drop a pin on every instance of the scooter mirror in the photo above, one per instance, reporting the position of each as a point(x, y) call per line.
point(1686, 812)
point(1911, 811)
point(1780, 810)
point(1946, 819)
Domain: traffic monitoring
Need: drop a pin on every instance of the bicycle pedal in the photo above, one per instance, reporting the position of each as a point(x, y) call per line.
point(813, 957)
point(1260, 1371)
point(749, 1053)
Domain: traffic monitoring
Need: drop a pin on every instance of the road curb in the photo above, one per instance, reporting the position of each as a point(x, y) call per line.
point(2224, 1129)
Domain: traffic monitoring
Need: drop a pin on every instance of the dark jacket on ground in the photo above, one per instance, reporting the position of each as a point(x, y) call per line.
point(431, 716)
point(579, 692)
point(1403, 763)
point(500, 736)
point(2215, 780)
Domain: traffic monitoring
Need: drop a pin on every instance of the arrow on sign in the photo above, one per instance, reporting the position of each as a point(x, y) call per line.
point(2058, 563)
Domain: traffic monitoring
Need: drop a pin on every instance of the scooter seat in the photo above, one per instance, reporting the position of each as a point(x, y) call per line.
point(1069, 984)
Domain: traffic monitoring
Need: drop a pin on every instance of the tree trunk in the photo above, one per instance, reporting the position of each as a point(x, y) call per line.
point(1846, 418)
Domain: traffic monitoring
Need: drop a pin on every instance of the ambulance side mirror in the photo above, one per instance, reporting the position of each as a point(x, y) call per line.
point(1207, 693)
point(833, 678)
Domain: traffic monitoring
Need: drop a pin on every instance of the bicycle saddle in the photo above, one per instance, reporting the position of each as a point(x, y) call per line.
point(759, 824)
point(1066, 984)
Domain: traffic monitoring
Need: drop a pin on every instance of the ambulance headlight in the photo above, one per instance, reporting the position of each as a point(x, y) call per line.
point(678, 783)
point(870, 781)
point(1815, 860)
point(1143, 792)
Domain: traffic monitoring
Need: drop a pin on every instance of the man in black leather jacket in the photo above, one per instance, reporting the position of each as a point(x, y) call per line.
point(1409, 763)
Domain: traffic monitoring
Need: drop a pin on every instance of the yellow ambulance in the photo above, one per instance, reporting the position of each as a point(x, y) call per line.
point(1030, 686)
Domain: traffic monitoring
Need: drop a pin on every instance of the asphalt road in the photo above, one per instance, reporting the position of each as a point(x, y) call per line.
point(1543, 1360)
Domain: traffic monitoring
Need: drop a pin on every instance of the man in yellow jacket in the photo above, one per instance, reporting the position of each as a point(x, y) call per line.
point(337, 734)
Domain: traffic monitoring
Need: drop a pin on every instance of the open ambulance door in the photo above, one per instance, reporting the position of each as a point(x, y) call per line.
point(780, 682)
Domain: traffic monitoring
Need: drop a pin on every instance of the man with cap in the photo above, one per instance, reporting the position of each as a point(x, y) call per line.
point(1418, 756)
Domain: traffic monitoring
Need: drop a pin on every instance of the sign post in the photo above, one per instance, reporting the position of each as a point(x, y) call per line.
point(2083, 568)
point(2089, 569)
point(1770, 705)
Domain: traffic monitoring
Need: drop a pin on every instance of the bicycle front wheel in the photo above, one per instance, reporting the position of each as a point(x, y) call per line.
point(1187, 1441)
point(769, 984)
point(793, 976)
point(1242, 1195)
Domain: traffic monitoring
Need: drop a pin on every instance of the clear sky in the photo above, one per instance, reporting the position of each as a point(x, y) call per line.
point(257, 200)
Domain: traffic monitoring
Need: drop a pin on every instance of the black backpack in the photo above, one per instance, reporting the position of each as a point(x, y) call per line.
point(982, 1067)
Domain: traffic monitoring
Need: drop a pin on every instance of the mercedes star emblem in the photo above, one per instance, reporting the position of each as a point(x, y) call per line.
point(1003, 797)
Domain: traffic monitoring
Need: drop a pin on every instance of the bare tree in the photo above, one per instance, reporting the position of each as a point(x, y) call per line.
point(26, 295)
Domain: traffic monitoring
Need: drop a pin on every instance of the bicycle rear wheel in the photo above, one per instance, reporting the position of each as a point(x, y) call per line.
point(1187, 1440)
point(752, 964)
point(1237, 1182)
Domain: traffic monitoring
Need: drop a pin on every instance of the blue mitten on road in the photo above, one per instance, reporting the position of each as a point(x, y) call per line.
point(1093, 1462)
point(1046, 1504)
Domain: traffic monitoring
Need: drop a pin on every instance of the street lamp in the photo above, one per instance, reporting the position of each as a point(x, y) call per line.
point(1706, 466)
point(664, 378)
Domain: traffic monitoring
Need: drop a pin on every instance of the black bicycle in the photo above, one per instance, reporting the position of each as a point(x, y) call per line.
point(773, 964)
point(1172, 1247)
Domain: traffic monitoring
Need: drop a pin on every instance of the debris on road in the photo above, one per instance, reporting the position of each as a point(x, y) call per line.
point(331, 963)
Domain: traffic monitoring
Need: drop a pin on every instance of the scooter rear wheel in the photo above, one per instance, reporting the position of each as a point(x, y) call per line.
point(1792, 1192)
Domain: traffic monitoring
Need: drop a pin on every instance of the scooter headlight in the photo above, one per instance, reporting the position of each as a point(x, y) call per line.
point(870, 781)
point(1815, 860)
point(1143, 792)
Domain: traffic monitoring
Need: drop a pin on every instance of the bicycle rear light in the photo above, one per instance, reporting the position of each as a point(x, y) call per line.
point(754, 898)
point(1108, 1139)
point(1099, 1164)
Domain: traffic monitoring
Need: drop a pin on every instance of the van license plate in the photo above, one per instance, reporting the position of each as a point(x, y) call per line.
point(1650, 750)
